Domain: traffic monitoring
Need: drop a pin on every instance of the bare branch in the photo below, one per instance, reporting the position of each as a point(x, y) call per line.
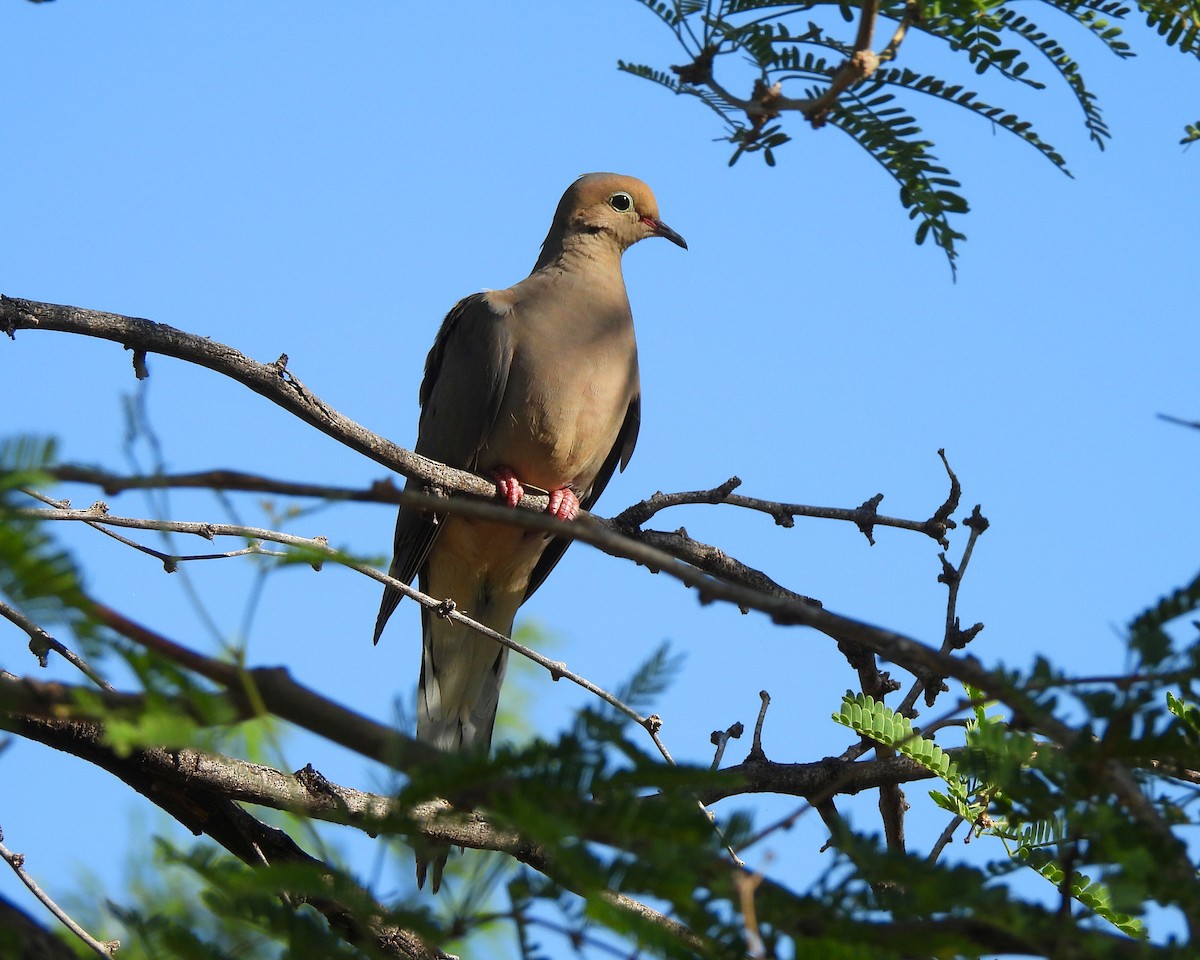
point(154, 774)
point(185, 782)
point(272, 380)
point(16, 861)
point(721, 738)
point(41, 643)
point(865, 517)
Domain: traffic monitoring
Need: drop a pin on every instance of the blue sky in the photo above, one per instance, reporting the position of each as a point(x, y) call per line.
point(327, 181)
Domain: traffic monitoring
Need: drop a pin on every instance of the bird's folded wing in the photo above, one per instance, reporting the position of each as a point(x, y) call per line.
point(465, 376)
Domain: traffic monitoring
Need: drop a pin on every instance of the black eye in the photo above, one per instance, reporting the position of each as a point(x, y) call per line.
point(621, 202)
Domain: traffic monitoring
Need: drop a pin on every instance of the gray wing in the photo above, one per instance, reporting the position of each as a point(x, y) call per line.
point(465, 376)
point(621, 452)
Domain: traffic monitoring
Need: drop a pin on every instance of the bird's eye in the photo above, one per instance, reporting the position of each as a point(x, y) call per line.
point(621, 202)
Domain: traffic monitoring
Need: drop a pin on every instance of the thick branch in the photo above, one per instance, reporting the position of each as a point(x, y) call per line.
point(199, 789)
point(218, 817)
point(271, 380)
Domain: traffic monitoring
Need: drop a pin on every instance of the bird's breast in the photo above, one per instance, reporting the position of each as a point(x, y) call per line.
point(563, 408)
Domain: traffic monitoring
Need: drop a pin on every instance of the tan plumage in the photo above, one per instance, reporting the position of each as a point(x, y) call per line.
point(538, 384)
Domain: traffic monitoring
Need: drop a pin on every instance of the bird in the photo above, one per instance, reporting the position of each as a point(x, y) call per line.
point(535, 384)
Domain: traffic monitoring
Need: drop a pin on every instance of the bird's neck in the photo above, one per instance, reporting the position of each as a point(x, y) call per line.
point(579, 249)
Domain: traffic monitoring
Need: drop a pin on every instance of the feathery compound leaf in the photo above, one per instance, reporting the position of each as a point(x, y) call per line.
point(1189, 713)
point(660, 77)
point(802, 62)
point(978, 36)
point(994, 36)
point(1147, 633)
point(652, 677)
point(1093, 894)
point(867, 716)
point(23, 460)
point(1067, 68)
point(1178, 23)
point(1095, 17)
point(964, 98)
point(669, 13)
point(33, 570)
point(926, 190)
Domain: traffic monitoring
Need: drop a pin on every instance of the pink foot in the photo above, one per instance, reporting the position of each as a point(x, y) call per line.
point(508, 487)
point(563, 504)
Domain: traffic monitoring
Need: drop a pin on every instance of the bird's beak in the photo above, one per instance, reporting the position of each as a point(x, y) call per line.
point(662, 230)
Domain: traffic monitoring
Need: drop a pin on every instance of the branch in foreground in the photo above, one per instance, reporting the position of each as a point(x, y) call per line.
point(310, 793)
point(224, 821)
point(782, 606)
point(192, 787)
point(798, 916)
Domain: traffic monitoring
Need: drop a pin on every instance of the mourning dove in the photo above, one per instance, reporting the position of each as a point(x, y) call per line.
point(535, 384)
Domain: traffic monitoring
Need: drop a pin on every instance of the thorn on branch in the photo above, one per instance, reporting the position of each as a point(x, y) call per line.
point(40, 645)
point(935, 687)
point(312, 780)
point(976, 522)
point(140, 370)
point(757, 754)
point(720, 739)
point(949, 574)
point(887, 684)
point(959, 638)
point(317, 564)
point(941, 516)
point(864, 517)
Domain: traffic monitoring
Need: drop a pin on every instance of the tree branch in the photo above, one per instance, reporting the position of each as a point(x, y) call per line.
point(17, 862)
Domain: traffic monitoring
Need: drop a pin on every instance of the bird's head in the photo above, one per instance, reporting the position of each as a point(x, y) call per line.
point(620, 208)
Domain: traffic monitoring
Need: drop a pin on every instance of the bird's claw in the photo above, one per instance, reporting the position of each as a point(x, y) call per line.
point(563, 504)
point(508, 487)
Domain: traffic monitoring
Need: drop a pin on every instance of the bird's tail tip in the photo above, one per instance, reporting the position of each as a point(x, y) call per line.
point(436, 859)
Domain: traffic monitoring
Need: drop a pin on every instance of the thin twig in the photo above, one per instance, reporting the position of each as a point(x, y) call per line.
point(954, 638)
point(784, 514)
point(945, 838)
point(757, 754)
point(720, 738)
point(41, 643)
point(104, 948)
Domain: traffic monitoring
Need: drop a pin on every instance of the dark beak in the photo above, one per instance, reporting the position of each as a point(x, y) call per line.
point(662, 230)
